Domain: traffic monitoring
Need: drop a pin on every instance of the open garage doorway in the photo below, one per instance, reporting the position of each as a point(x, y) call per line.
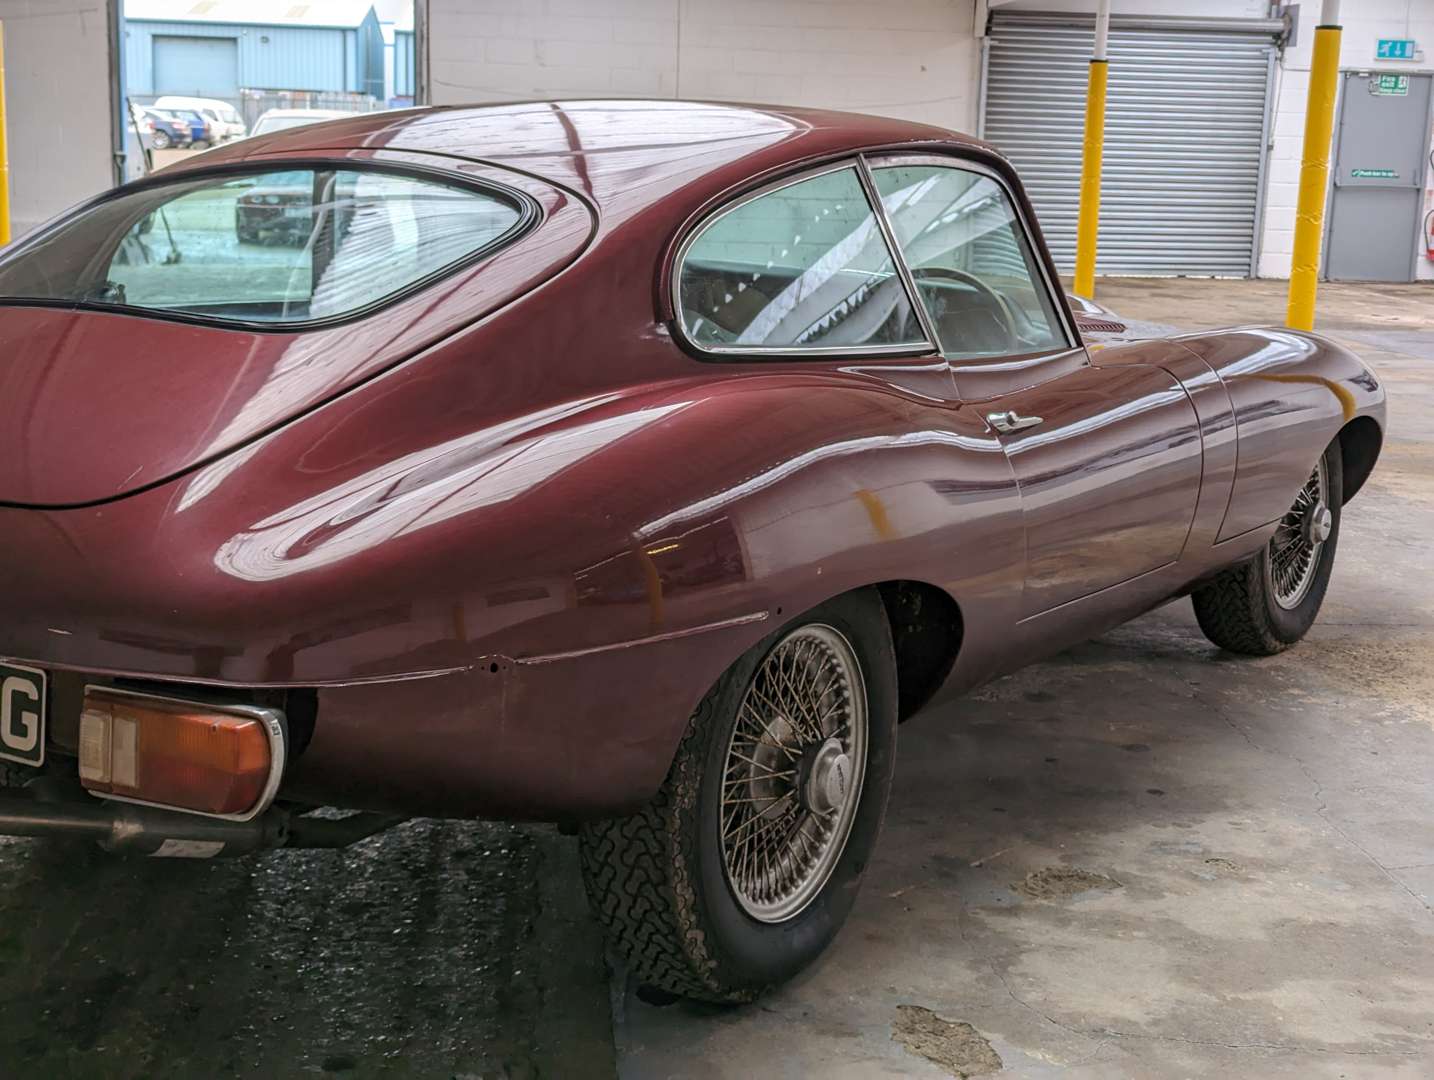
point(84, 81)
point(200, 73)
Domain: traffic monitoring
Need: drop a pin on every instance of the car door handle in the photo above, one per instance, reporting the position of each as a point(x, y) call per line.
point(1007, 422)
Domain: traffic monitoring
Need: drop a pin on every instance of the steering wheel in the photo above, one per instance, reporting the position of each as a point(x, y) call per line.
point(940, 274)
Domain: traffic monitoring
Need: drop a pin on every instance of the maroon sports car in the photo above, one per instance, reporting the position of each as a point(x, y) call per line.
point(635, 466)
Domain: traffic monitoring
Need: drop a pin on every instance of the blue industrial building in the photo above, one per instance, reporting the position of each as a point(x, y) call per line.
point(216, 48)
point(404, 80)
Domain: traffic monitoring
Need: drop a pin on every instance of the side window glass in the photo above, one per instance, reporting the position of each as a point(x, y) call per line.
point(973, 267)
point(277, 247)
point(804, 266)
point(289, 246)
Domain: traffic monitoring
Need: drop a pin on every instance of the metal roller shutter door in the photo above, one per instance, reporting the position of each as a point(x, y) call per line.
point(1184, 138)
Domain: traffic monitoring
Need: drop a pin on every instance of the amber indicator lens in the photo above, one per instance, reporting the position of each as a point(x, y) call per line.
point(176, 754)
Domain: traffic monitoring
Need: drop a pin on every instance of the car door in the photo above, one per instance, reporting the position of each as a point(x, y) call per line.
point(1107, 459)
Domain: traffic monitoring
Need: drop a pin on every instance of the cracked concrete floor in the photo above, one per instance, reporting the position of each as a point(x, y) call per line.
point(1268, 825)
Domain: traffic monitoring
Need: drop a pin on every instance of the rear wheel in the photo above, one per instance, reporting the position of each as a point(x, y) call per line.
point(159, 140)
point(1267, 604)
point(744, 866)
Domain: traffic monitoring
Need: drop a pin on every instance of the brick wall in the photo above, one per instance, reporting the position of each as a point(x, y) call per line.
point(916, 59)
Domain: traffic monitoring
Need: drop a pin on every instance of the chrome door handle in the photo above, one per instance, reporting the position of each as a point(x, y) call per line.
point(1007, 422)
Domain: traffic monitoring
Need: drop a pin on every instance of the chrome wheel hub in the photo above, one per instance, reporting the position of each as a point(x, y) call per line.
point(1318, 524)
point(793, 776)
point(828, 778)
point(1293, 557)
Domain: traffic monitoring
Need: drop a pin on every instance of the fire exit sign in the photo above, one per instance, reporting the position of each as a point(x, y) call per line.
point(1390, 85)
point(1395, 49)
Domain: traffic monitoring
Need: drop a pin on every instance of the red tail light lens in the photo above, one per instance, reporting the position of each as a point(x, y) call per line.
point(182, 755)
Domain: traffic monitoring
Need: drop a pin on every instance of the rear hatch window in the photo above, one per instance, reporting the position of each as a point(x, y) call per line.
point(276, 248)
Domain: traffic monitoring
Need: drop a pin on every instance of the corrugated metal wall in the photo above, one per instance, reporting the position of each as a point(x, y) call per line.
point(403, 80)
point(1184, 139)
point(269, 57)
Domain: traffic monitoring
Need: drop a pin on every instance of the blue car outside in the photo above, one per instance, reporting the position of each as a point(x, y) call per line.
point(166, 130)
point(198, 126)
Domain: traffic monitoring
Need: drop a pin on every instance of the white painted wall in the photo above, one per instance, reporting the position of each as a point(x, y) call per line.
point(1364, 21)
point(917, 59)
point(57, 99)
point(910, 58)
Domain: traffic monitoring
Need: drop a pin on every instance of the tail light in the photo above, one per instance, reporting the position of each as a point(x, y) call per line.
point(221, 760)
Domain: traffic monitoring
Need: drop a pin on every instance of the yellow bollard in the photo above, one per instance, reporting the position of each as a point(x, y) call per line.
point(1314, 178)
point(4, 153)
point(1088, 223)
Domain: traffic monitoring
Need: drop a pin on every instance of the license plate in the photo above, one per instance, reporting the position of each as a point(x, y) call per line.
point(22, 714)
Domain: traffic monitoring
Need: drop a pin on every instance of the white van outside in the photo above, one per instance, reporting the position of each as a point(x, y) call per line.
point(224, 119)
point(283, 119)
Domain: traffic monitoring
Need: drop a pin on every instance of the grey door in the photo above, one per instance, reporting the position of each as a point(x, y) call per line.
point(1380, 143)
point(197, 66)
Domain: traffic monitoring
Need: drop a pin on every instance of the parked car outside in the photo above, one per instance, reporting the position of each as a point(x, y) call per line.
point(284, 119)
point(634, 466)
point(225, 123)
point(281, 208)
point(164, 130)
point(201, 135)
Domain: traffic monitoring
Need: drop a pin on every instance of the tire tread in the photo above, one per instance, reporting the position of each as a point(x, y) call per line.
point(1230, 611)
point(639, 884)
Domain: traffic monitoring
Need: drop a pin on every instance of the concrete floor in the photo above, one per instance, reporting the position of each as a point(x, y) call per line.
point(1139, 859)
point(1233, 859)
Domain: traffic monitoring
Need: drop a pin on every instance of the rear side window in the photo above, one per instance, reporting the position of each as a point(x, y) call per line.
point(973, 268)
point(803, 267)
point(268, 247)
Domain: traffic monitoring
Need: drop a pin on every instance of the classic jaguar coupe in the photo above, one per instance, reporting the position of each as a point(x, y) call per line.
point(635, 466)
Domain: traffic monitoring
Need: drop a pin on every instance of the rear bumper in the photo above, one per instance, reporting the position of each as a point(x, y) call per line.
point(558, 737)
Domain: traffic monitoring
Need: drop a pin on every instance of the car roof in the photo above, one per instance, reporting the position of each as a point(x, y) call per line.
point(623, 155)
point(331, 113)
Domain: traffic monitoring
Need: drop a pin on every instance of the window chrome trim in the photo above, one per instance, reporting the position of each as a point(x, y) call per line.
point(898, 158)
point(679, 328)
point(530, 215)
point(888, 230)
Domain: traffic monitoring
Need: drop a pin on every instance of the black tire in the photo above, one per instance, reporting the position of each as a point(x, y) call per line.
point(14, 776)
point(1238, 610)
point(657, 879)
point(159, 141)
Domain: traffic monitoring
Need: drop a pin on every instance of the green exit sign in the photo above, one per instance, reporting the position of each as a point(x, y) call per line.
point(1390, 85)
point(1396, 49)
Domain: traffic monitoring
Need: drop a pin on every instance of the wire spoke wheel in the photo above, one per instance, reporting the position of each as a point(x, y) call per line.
point(1293, 555)
point(793, 777)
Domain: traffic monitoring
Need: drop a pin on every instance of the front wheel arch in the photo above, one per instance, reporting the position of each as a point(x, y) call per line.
point(1360, 441)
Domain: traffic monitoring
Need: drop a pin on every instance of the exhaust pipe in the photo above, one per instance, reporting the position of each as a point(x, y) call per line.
point(142, 830)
